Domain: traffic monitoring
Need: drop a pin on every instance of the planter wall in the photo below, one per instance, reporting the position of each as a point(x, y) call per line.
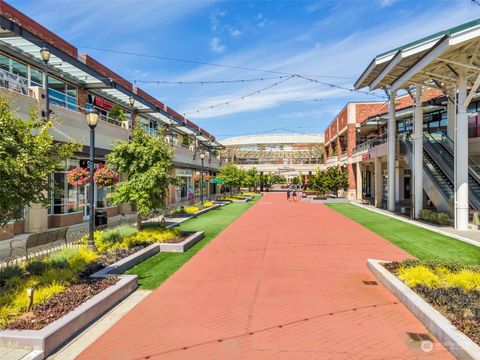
point(460, 345)
point(184, 245)
point(58, 332)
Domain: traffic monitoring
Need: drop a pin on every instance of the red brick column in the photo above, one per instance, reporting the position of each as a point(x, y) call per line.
point(351, 142)
point(81, 98)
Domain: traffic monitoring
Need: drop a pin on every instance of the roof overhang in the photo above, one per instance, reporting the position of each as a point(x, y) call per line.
point(24, 37)
point(432, 61)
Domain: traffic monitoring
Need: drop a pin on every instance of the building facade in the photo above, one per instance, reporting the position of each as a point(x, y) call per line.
point(422, 148)
point(341, 138)
point(77, 83)
point(288, 155)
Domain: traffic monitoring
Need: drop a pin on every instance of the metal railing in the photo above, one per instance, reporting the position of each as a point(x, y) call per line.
point(378, 140)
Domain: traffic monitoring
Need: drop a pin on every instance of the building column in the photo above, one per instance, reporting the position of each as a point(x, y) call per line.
point(36, 218)
point(417, 171)
point(451, 113)
point(461, 159)
point(391, 156)
point(358, 167)
point(378, 182)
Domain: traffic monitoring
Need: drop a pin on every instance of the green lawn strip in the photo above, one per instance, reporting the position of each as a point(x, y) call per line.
point(155, 270)
point(421, 243)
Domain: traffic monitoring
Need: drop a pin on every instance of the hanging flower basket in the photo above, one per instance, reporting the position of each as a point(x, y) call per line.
point(105, 176)
point(198, 178)
point(78, 176)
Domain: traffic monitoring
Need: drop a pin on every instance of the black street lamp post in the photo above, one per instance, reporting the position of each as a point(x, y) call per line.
point(92, 118)
point(45, 54)
point(202, 157)
point(131, 100)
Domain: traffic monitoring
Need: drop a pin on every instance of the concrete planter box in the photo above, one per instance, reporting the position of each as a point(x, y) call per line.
point(184, 245)
point(55, 334)
point(207, 209)
point(178, 216)
point(460, 345)
point(240, 200)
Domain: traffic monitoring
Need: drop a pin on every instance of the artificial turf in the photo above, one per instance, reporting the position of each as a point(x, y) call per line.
point(155, 270)
point(419, 242)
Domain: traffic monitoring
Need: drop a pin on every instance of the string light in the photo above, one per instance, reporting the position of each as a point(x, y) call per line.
point(206, 82)
point(369, 93)
point(238, 98)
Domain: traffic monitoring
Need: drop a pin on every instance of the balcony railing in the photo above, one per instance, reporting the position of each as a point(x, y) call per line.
point(19, 84)
point(332, 160)
point(378, 140)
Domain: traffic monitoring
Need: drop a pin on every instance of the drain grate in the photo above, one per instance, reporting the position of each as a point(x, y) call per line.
point(370, 282)
point(419, 337)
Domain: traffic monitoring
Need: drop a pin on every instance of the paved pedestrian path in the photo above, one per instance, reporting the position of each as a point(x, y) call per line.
point(284, 281)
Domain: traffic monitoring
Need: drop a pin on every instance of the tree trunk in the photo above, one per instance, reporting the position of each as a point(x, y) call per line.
point(139, 221)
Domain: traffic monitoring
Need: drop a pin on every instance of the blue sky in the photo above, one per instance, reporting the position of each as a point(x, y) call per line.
point(329, 38)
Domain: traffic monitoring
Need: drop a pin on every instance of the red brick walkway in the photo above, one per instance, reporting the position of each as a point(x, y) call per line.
point(282, 282)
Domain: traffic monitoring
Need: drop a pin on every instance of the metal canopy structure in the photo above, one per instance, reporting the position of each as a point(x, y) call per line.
point(24, 37)
point(265, 148)
point(448, 61)
point(434, 61)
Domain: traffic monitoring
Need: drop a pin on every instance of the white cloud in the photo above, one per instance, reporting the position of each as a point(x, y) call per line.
point(217, 46)
point(215, 24)
point(386, 3)
point(235, 33)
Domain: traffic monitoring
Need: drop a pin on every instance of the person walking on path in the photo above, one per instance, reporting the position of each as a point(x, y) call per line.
point(288, 193)
point(294, 194)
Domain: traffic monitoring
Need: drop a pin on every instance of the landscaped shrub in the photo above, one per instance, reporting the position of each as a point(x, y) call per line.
point(179, 211)
point(48, 276)
point(465, 279)
point(192, 209)
point(208, 204)
point(153, 235)
point(436, 273)
point(443, 219)
point(434, 217)
point(418, 275)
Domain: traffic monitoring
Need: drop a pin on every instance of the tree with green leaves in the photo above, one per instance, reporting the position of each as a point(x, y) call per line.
point(251, 179)
point(28, 155)
point(331, 180)
point(147, 162)
point(117, 113)
point(232, 176)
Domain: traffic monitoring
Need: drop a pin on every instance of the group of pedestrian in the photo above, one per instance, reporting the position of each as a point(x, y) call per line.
point(291, 192)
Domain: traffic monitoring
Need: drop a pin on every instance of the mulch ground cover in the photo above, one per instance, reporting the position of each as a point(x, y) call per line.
point(61, 304)
point(459, 306)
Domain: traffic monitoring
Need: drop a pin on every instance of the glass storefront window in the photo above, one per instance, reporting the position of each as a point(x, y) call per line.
point(19, 69)
point(4, 63)
point(66, 198)
point(62, 94)
point(36, 77)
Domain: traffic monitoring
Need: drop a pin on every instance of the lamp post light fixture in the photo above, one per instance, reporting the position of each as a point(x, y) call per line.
point(92, 117)
point(131, 100)
point(45, 54)
point(202, 157)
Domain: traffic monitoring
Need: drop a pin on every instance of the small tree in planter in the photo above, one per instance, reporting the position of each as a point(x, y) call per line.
point(147, 162)
point(251, 179)
point(232, 176)
point(28, 155)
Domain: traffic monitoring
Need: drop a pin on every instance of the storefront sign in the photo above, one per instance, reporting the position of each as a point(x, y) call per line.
point(104, 104)
point(183, 172)
point(84, 163)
